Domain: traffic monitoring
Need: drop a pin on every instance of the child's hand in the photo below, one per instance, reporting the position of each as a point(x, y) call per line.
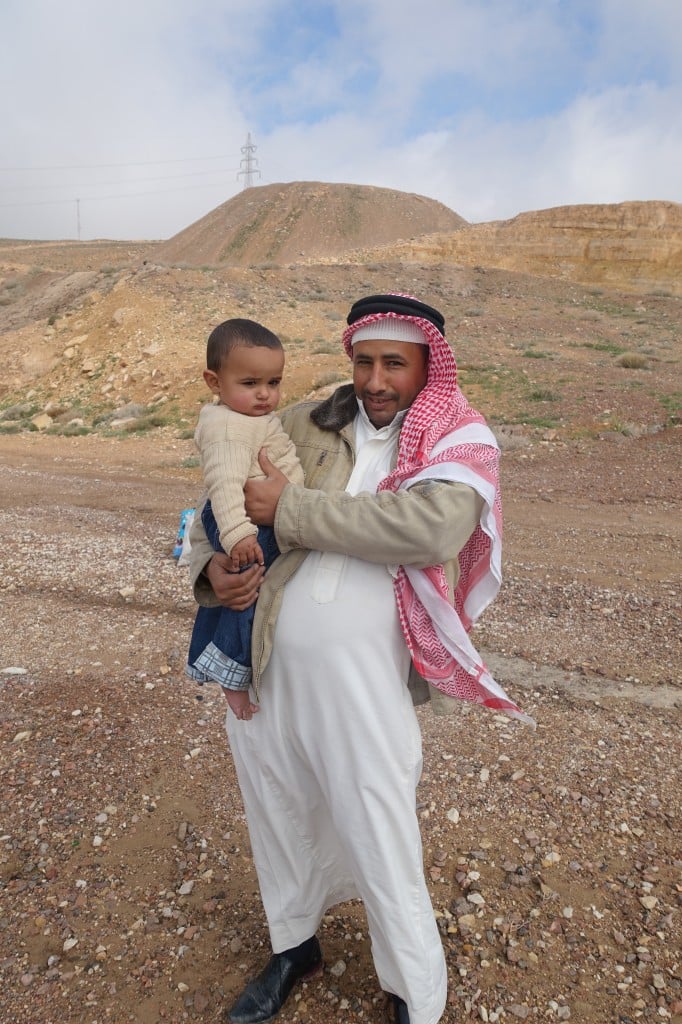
point(246, 552)
point(240, 704)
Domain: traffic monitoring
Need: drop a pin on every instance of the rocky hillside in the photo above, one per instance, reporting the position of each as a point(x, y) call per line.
point(282, 223)
point(111, 336)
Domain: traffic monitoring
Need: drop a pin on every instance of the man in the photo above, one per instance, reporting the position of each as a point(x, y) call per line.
point(400, 477)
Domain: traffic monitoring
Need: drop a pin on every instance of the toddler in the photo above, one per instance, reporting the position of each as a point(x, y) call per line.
point(244, 365)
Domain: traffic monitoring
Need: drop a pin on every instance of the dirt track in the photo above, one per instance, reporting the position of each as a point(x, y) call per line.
point(122, 828)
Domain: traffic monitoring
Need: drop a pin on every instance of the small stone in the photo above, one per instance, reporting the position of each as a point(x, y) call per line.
point(476, 899)
point(453, 815)
point(186, 888)
point(658, 981)
point(14, 670)
point(126, 592)
point(519, 1010)
point(648, 902)
point(69, 944)
point(338, 969)
point(200, 1001)
point(97, 841)
point(182, 987)
point(22, 736)
point(236, 945)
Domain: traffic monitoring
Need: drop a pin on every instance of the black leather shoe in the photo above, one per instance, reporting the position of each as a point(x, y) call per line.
point(400, 1014)
point(267, 993)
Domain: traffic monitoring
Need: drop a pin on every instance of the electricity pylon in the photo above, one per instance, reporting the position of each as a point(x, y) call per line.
point(248, 163)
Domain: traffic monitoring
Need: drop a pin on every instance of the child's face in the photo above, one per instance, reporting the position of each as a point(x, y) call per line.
point(249, 380)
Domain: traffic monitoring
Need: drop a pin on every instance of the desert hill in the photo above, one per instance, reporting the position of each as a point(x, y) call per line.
point(284, 222)
point(110, 335)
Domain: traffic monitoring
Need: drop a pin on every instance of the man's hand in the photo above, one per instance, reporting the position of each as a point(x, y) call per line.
point(261, 496)
point(234, 590)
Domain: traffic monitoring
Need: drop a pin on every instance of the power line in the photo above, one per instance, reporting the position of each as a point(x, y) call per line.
point(97, 184)
point(139, 163)
point(121, 195)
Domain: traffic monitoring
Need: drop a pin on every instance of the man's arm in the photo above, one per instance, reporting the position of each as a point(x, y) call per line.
point(425, 525)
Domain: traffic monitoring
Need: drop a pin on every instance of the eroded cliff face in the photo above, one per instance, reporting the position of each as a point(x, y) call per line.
point(629, 245)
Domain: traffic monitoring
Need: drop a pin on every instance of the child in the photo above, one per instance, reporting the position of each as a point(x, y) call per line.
point(244, 364)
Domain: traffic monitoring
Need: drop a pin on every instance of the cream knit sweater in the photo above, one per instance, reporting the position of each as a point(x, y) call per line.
point(228, 444)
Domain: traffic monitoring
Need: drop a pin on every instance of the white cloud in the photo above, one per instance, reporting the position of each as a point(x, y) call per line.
point(492, 107)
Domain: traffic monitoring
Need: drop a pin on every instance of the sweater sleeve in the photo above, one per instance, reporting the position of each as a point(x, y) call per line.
point(228, 444)
point(282, 451)
point(226, 468)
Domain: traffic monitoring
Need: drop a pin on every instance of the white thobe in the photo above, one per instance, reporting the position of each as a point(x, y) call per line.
point(329, 766)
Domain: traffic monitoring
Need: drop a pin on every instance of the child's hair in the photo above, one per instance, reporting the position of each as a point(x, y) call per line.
point(232, 333)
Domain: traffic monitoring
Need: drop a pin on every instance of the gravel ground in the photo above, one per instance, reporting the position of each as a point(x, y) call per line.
point(127, 892)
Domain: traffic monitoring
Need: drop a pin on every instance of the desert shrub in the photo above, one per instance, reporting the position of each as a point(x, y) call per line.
point(146, 423)
point(72, 430)
point(328, 378)
point(603, 346)
point(543, 395)
point(633, 361)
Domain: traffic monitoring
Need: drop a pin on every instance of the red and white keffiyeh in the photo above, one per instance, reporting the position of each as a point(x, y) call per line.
point(444, 438)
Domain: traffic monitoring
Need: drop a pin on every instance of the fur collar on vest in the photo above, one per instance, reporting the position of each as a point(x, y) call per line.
point(337, 411)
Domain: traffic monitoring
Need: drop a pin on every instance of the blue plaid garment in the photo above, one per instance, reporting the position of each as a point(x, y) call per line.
point(220, 647)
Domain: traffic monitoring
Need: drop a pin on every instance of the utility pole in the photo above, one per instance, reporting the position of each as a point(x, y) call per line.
point(248, 163)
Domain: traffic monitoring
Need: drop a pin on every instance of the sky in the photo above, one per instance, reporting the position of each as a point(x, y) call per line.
point(131, 120)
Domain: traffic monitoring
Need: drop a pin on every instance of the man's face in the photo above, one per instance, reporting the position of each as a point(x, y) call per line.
point(388, 376)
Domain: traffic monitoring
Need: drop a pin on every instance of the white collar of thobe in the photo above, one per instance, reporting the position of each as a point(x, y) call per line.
point(366, 431)
point(374, 451)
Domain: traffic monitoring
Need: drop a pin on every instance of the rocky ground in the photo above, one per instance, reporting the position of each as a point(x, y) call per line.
point(127, 893)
